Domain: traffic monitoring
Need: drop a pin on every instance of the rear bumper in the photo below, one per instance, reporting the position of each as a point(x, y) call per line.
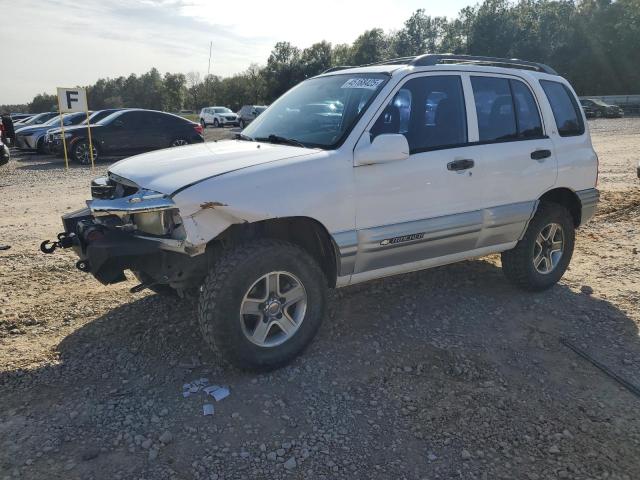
point(589, 199)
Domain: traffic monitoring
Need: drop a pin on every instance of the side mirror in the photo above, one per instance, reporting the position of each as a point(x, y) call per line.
point(387, 147)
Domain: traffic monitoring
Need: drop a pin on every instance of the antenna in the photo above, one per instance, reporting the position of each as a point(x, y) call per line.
point(209, 67)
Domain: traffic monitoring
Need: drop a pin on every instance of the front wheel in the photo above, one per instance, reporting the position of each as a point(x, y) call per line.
point(216, 123)
point(80, 153)
point(241, 124)
point(541, 257)
point(179, 142)
point(262, 304)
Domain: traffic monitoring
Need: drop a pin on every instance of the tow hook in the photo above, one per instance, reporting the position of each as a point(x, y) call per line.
point(64, 241)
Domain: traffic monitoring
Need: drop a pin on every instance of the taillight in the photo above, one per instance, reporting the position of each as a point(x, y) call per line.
point(198, 128)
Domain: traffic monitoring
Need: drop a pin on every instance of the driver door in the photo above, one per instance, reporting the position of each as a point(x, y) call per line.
point(429, 205)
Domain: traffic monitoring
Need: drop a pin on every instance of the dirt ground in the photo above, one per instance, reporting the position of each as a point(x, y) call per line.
point(446, 373)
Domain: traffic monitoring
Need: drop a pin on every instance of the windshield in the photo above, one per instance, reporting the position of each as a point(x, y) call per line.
point(260, 109)
point(108, 119)
point(222, 110)
point(52, 121)
point(319, 112)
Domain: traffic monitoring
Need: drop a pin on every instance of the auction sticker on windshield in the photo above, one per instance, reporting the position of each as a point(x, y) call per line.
point(369, 83)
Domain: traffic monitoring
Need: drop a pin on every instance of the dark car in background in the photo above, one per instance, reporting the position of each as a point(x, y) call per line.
point(131, 131)
point(596, 108)
point(53, 141)
point(248, 114)
point(32, 137)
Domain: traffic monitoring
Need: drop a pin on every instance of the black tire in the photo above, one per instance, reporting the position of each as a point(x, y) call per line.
point(179, 142)
point(162, 290)
point(518, 263)
point(203, 123)
point(78, 156)
point(216, 124)
point(241, 124)
point(231, 278)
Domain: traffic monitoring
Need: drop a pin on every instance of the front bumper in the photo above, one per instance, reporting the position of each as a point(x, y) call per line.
point(106, 253)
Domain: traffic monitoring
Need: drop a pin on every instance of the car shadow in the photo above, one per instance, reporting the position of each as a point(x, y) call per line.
point(457, 339)
point(468, 306)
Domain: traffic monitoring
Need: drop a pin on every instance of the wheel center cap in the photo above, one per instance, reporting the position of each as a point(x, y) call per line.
point(273, 308)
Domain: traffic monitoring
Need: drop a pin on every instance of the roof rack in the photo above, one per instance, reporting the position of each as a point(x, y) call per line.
point(336, 68)
point(431, 59)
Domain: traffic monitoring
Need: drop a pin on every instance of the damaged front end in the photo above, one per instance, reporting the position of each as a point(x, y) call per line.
point(125, 227)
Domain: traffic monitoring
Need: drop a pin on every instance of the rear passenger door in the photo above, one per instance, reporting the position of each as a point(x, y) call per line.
point(516, 161)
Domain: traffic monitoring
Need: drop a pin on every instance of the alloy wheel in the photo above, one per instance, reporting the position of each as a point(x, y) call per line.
point(273, 309)
point(83, 155)
point(179, 142)
point(548, 248)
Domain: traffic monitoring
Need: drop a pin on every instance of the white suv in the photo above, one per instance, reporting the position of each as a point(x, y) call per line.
point(353, 175)
point(218, 117)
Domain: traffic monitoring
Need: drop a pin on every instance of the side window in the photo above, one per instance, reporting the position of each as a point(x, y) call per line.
point(527, 115)
point(494, 106)
point(429, 111)
point(565, 108)
point(133, 119)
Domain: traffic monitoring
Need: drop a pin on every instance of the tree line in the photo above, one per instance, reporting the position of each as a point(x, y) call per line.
point(593, 43)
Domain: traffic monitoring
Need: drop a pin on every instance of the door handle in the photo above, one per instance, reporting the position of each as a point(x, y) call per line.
point(458, 165)
point(540, 154)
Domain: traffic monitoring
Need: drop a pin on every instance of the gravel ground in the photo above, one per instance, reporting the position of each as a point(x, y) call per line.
point(446, 373)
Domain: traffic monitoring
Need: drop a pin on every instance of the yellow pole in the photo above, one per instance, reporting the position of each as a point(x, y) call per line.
point(90, 141)
point(64, 141)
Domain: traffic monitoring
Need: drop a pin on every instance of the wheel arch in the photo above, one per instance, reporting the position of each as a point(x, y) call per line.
point(567, 198)
point(306, 232)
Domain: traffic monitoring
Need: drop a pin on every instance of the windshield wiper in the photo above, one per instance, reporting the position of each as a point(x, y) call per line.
point(242, 136)
point(278, 139)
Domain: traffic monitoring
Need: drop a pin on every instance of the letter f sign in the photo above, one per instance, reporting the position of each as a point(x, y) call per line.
point(72, 96)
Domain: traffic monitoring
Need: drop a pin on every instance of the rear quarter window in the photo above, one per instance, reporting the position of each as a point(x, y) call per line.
point(565, 108)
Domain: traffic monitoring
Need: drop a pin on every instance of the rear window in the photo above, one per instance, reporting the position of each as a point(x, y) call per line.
point(565, 108)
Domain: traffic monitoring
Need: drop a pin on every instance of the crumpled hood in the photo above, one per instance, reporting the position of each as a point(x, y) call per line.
point(171, 169)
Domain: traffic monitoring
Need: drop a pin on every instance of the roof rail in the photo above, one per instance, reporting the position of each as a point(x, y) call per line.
point(336, 68)
point(431, 59)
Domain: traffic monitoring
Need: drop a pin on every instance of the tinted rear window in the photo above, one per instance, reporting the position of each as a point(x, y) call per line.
point(565, 108)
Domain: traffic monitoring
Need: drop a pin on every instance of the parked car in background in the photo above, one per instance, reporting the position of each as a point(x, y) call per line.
point(248, 114)
point(36, 119)
point(5, 155)
point(218, 117)
point(252, 227)
point(130, 131)
point(53, 142)
point(596, 108)
point(33, 137)
point(20, 116)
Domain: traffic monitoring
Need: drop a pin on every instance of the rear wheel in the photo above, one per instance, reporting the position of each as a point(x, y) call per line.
point(241, 124)
point(203, 123)
point(80, 152)
point(539, 260)
point(262, 304)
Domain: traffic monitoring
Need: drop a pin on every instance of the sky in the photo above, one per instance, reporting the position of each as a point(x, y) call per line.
point(63, 43)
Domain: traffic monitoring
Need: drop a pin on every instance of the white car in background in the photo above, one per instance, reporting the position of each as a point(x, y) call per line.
point(218, 117)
